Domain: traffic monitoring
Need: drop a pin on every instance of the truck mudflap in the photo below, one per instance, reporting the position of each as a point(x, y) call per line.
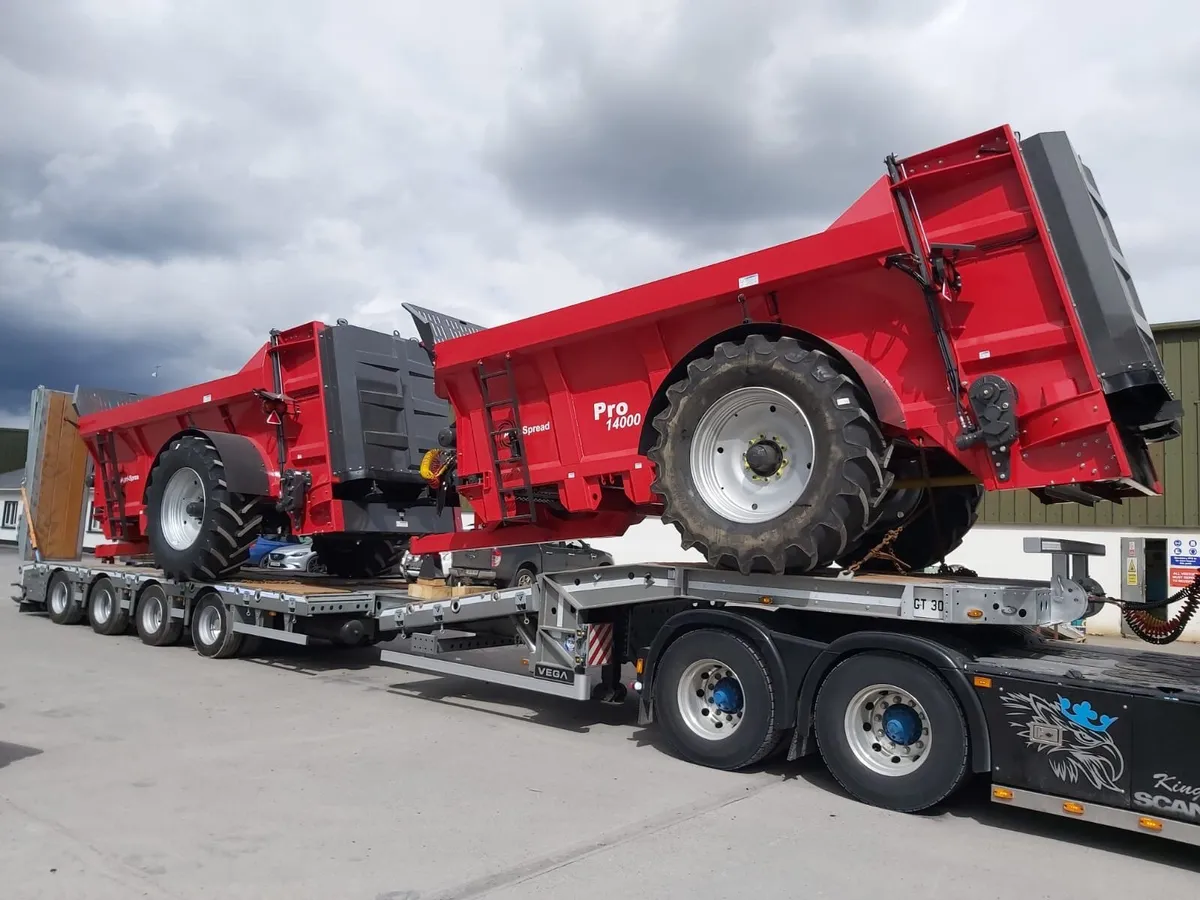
point(1102, 291)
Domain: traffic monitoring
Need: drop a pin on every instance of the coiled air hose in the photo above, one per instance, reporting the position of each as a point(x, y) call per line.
point(1163, 631)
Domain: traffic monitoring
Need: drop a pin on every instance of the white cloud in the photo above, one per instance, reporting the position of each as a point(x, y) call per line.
point(181, 177)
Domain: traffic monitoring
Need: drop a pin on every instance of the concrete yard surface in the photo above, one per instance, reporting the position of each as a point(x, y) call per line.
point(128, 771)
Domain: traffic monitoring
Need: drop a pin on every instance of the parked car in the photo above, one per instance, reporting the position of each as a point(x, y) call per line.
point(264, 544)
point(296, 557)
point(518, 566)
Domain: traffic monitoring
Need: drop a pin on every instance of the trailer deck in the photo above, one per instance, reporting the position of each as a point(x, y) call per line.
point(905, 685)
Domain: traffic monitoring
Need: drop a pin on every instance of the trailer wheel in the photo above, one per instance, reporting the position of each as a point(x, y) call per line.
point(941, 518)
point(61, 604)
point(359, 556)
point(104, 609)
point(199, 530)
point(891, 732)
point(212, 628)
point(715, 699)
point(153, 620)
point(766, 457)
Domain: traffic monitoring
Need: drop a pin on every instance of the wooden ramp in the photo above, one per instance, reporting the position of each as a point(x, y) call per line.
point(57, 469)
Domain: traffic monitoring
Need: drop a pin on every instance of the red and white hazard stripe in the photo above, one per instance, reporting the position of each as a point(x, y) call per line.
point(599, 644)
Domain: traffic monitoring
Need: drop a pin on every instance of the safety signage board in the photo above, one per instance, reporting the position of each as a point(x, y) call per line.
point(1183, 559)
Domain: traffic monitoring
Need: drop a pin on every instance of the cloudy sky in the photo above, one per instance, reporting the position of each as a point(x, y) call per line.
point(178, 176)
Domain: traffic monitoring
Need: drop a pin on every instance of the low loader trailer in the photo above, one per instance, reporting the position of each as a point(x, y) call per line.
point(809, 417)
point(907, 686)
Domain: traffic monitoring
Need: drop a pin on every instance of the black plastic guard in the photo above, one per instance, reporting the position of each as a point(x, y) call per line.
point(383, 414)
point(1102, 290)
point(435, 327)
point(93, 400)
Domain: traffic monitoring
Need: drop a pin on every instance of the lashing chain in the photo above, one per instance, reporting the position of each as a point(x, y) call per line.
point(880, 551)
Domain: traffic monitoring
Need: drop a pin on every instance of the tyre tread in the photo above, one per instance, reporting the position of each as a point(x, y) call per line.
point(225, 545)
point(860, 479)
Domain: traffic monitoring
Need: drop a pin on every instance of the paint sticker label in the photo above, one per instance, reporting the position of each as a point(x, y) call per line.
point(748, 280)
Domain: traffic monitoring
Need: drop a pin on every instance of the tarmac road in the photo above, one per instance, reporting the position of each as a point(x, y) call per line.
point(129, 771)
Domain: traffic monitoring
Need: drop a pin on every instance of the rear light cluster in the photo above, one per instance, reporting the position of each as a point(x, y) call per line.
point(496, 557)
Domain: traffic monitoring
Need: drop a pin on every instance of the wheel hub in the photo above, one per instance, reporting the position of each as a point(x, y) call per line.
point(209, 625)
point(765, 458)
point(901, 724)
point(752, 454)
point(888, 730)
point(182, 511)
point(710, 699)
point(727, 695)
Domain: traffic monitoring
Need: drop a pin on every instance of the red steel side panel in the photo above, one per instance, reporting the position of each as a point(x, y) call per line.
point(586, 373)
point(230, 404)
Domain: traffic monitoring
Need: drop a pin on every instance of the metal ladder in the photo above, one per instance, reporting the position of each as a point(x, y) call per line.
point(515, 445)
point(114, 494)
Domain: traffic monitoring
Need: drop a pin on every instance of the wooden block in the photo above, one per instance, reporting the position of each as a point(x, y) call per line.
point(429, 591)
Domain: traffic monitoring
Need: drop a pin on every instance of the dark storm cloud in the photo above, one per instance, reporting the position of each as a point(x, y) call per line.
point(142, 199)
point(680, 144)
point(61, 359)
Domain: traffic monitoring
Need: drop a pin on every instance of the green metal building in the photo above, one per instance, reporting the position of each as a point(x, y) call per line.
point(12, 448)
point(1177, 461)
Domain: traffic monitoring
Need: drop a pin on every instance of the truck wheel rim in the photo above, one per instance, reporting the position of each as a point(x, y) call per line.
point(182, 497)
point(209, 625)
point(152, 614)
point(752, 455)
point(710, 699)
point(102, 607)
point(888, 730)
point(58, 598)
point(524, 579)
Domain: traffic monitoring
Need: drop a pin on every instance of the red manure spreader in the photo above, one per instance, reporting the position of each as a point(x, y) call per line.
point(321, 433)
point(968, 324)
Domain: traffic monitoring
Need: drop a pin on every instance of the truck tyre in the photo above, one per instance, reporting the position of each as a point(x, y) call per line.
point(716, 701)
point(199, 530)
point(891, 732)
point(927, 538)
point(104, 609)
point(525, 577)
point(766, 457)
point(153, 620)
point(212, 630)
point(61, 604)
point(359, 556)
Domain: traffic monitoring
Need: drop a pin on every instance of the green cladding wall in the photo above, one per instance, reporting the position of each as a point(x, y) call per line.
point(1177, 461)
point(12, 448)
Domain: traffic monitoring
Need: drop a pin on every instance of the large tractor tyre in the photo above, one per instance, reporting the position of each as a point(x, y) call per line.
point(767, 458)
point(359, 556)
point(937, 522)
point(199, 530)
